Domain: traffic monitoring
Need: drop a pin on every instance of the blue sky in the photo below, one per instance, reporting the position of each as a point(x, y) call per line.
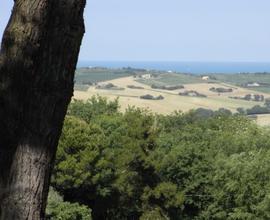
point(173, 30)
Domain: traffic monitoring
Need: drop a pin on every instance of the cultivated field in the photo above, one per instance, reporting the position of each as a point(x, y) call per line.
point(263, 79)
point(172, 101)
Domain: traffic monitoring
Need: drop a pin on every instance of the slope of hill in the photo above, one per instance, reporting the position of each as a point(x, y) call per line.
point(172, 100)
point(130, 85)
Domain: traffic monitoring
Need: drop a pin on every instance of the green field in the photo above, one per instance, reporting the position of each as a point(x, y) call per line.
point(85, 76)
point(172, 101)
point(94, 75)
point(171, 79)
point(243, 78)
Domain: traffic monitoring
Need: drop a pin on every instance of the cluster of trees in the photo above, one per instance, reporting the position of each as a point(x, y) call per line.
point(150, 97)
point(168, 87)
point(137, 165)
point(192, 93)
point(58, 209)
point(109, 86)
point(221, 90)
point(257, 109)
point(256, 97)
point(134, 87)
point(250, 97)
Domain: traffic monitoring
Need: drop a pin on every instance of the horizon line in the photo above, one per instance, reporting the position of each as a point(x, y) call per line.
point(173, 61)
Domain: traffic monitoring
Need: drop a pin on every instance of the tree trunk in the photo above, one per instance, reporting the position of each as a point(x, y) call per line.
point(38, 58)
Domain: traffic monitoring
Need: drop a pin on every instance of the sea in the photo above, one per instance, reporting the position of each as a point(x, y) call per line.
point(185, 67)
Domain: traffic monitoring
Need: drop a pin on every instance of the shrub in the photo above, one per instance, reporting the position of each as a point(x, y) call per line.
point(57, 209)
point(150, 97)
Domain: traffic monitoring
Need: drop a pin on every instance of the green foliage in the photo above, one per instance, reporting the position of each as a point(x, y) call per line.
point(154, 214)
point(137, 165)
point(57, 209)
point(93, 107)
point(165, 193)
point(83, 164)
point(258, 110)
point(241, 187)
point(267, 102)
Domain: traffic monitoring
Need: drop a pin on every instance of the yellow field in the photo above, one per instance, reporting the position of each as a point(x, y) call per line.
point(172, 101)
point(263, 120)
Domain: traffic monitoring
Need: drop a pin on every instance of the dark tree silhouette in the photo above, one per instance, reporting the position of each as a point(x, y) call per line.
point(38, 57)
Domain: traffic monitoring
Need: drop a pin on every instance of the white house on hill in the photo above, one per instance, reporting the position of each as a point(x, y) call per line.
point(205, 77)
point(146, 76)
point(254, 84)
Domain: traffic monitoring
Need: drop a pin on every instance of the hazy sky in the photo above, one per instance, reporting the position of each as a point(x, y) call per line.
point(173, 30)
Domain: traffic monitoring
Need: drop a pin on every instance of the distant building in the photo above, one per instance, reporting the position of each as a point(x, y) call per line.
point(205, 77)
point(146, 76)
point(255, 84)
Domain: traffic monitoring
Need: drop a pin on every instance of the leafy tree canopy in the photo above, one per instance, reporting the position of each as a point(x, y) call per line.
point(138, 165)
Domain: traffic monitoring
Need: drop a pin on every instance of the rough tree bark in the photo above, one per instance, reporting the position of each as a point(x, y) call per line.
point(38, 57)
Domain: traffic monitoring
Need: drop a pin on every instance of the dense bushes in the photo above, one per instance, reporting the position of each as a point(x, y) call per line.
point(134, 87)
point(109, 86)
point(58, 209)
point(255, 110)
point(250, 97)
point(240, 188)
point(150, 97)
point(136, 165)
point(221, 90)
point(192, 93)
point(169, 87)
point(258, 110)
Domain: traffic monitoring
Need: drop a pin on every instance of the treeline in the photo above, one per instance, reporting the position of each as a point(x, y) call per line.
point(168, 87)
point(139, 165)
point(257, 109)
